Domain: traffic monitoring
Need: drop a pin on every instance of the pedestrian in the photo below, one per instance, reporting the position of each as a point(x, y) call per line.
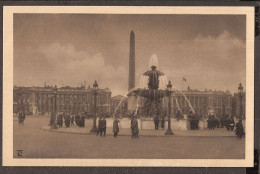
point(23, 118)
point(162, 122)
point(208, 123)
point(228, 124)
point(82, 119)
point(67, 120)
point(115, 127)
point(99, 130)
point(77, 120)
point(72, 120)
point(239, 129)
point(60, 120)
point(134, 128)
point(232, 124)
point(20, 118)
point(104, 126)
point(156, 122)
point(196, 122)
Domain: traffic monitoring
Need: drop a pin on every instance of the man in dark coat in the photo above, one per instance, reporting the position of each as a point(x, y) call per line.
point(228, 124)
point(67, 120)
point(115, 127)
point(82, 119)
point(20, 117)
point(239, 129)
point(162, 122)
point(99, 130)
point(72, 120)
point(23, 118)
point(156, 122)
point(77, 120)
point(104, 126)
point(60, 120)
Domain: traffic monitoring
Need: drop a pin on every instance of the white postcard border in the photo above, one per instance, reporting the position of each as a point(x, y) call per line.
point(8, 159)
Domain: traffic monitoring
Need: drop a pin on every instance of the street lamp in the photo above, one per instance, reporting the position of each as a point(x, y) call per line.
point(94, 128)
point(169, 92)
point(54, 115)
point(203, 108)
point(240, 93)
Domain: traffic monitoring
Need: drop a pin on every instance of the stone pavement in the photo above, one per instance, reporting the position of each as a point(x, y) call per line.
point(218, 132)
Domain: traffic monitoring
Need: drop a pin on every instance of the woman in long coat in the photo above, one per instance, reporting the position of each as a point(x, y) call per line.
point(134, 128)
point(115, 127)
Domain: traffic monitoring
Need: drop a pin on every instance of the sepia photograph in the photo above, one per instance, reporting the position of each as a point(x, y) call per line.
point(128, 86)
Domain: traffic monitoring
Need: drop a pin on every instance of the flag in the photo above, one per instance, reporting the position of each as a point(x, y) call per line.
point(184, 79)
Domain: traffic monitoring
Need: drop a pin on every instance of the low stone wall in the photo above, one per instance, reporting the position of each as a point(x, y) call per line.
point(149, 124)
point(203, 124)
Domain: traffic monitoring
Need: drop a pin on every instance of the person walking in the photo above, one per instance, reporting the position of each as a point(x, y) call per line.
point(20, 116)
point(67, 120)
point(99, 130)
point(239, 129)
point(232, 124)
point(162, 122)
point(156, 122)
point(104, 126)
point(72, 120)
point(23, 118)
point(134, 128)
point(115, 127)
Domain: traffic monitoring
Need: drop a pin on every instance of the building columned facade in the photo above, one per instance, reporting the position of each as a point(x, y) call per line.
point(203, 103)
point(73, 100)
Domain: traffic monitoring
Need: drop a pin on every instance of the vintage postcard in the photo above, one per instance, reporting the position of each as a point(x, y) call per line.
point(128, 86)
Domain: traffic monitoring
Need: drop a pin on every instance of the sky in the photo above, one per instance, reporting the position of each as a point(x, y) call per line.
point(208, 50)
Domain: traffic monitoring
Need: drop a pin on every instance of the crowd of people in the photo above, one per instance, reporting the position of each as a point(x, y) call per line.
point(194, 121)
point(228, 123)
point(157, 120)
point(213, 122)
point(69, 120)
point(79, 120)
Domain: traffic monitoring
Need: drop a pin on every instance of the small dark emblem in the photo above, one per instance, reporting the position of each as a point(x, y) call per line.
point(20, 153)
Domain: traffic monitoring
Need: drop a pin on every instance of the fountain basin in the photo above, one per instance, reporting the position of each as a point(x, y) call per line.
point(144, 123)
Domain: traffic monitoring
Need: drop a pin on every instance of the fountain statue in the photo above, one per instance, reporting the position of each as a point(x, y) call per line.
point(148, 102)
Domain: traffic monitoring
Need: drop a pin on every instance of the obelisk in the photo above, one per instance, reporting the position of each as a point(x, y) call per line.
point(131, 82)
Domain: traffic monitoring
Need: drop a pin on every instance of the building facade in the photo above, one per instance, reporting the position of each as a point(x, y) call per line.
point(203, 103)
point(40, 100)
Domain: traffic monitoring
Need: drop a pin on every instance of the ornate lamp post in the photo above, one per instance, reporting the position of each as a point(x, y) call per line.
point(169, 92)
point(203, 108)
point(54, 115)
point(94, 128)
point(240, 93)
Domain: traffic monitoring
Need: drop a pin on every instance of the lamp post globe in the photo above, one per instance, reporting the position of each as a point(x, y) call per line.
point(169, 92)
point(95, 88)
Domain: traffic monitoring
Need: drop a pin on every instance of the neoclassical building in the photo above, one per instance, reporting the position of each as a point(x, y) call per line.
point(73, 100)
point(203, 103)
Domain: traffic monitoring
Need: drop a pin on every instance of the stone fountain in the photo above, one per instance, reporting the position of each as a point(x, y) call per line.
point(147, 101)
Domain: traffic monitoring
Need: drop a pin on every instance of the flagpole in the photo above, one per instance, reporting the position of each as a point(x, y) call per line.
point(182, 84)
